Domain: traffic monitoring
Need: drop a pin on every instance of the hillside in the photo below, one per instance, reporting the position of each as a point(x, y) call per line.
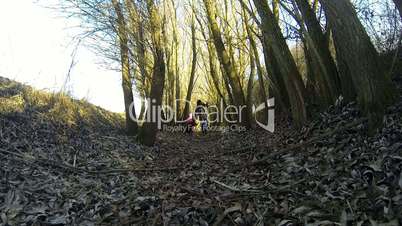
point(45, 140)
point(66, 162)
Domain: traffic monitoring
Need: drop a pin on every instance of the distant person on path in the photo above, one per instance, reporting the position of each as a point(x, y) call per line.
point(201, 114)
point(190, 124)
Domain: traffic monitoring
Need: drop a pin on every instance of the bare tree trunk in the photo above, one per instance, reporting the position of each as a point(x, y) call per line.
point(177, 88)
point(137, 31)
point(374, 89)
point(225, 60)
point(311, 83)
point(193, 69)
point(321, 60)
point(255, 57)
point(250, 85)
point(150, 127)
point(170, 68)
point(292, 79)
point(269, 56)
point(142, 111)
point(131, 125)
point(214, 75)
point(264, 95)
point(142, 58)
point(213, 69)
point(225, 77)
point(176, 63)
point(277, 85)
point(345, 75)
point(170, 76)
point(275, 8)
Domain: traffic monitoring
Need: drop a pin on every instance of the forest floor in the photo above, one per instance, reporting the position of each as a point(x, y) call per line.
point(66, 162)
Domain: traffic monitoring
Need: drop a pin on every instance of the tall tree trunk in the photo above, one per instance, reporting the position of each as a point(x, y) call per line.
point(321, 59)
point(264, 95)
point(193, 69)
point(170, 67)
point(345, 75)
point(230, 51)
point(170, 85)
point(275, 8)
point(250, 85)
point(142, 58)
point(226, 62)
point(292, 78)
point(214, 74)
point(137, 31)
point(311, 83)
point(131, 125)
point(142, 111)
point(374, 89)
point(277, 86)
point(176, 59)
point(255, 57)
point(269, 56)
point(213, 69)
point(150, 127)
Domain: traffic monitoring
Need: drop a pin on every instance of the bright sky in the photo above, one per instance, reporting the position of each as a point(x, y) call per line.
point(35, 49)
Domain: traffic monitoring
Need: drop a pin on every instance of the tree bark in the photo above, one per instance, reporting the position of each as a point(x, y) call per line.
point(226, 62)
point(291, 76)
point(255, 57)
point(311, 83)
point(250, 85)
point(140, 51)
point(176, 59)
point(137, 30)
point(374, 89)
point(275, 8)
point(345, 75)
point(321, 60)
point(277, 86)
point(131, 125)
point(170, 88)
point(192, 73)
point(213, 69)
point(150, 127)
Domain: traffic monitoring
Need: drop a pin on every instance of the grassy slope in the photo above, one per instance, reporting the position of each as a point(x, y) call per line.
point(59, 108)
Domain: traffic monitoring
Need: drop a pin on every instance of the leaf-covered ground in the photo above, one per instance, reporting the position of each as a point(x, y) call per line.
point(66, 162)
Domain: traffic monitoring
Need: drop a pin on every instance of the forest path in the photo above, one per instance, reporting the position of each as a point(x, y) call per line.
point(82, 172)
point(206, 163)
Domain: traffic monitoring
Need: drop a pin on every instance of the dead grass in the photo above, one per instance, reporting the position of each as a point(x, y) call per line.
point(16, 98)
